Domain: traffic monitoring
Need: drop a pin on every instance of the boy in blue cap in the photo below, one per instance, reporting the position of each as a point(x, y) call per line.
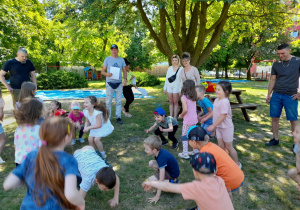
point(165, 124)
point(208, 190)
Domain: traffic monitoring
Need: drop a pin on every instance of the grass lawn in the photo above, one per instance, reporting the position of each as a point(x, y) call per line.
point(266, 185)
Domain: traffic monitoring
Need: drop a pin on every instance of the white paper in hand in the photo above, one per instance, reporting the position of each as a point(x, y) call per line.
point(142, 91)
point(115, 72)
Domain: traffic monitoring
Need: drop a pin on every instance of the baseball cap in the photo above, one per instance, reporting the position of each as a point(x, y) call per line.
point(160, 111)
point(114, 46)
point(204, 163)
point(195, 133)
point(75, 105)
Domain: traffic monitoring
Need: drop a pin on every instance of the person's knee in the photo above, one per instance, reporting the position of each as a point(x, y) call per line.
point(292, 173)
point(152, 164)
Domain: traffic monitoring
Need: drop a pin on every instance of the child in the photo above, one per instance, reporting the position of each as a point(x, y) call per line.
point(206, 106)
point(2, 134)
point(165, 124)
point(56, 110)
point(26, 136)
point(50, 174)
point(222, 120)
point(189, 109)
point(294, 173)
point(76, 117)
point(164, 164)
point(208, 190)
point(227, 169)
point(93, 169)
point(97, 122)
point(28, 89)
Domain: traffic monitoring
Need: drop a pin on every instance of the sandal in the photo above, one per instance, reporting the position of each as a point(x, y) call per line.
point(183, 156)
point(128, 115)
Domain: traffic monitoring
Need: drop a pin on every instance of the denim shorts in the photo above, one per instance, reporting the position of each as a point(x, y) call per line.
point(282, 100)
point(1, 129)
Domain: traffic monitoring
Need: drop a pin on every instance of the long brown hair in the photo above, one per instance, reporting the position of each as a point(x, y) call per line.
point(27, 89)
point(189, 90)
point(100, 106)
point(29, 112)
point(49, 179)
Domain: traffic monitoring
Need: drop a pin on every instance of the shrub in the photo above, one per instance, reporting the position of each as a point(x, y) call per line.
point(145, 80)
point(61, 80)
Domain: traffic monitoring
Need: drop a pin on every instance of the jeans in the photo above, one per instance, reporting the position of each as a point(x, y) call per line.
point(128, 94)
point(80, 132)
point(171, 135)
point(118, 98)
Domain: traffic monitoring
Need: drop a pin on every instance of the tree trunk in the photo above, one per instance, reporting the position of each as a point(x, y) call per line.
point(57, 64)
point(217, 71)
point(226, 72)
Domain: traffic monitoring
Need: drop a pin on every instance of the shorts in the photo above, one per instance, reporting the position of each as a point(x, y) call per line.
point(238, 187)
point(225, 133)
point(205, 126)
point(1, 129)
point(173, 89)
point(167, 175)
point(282, 100)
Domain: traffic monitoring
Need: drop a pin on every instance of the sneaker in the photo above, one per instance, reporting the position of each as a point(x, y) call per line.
point(184, 156)
point(175, 145)
point(103, 155)
point(191, 153)
point(164, 143)
point(81, 140)
point(272, 142)
point(1, 161)
point(73, 142)
point(240, 165)
point(195, 208)
point(119, 121)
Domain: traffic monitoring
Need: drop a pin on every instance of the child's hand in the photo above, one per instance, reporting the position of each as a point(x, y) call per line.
point(86, 129)
point(154, 199)
point(77, 124)
point(113, 202)
point(147, 131)
point(146, 186)
point(203, 120)
point(165, 92)
point(180, 116)
point(161, 129)
point(210, 128)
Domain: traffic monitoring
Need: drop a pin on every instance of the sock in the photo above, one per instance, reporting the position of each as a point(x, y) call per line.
point(102, 153)
point(185, 146)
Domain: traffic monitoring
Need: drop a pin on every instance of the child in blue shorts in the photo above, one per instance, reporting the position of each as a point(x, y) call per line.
point(165, 164)
point(2, 134)
point(93, 169)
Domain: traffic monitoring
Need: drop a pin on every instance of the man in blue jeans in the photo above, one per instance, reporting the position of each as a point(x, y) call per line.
point(114, 84)
point(284, 83)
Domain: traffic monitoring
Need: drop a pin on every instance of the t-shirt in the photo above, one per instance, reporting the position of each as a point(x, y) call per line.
point(222, 107)
point(26, 171)
point(209, 193)
point(192, 74)
point(18, 104)
point(227, 169)
point(166, 160)
point(167, 121)
point(190, 118)
point(205, 104)
point(59, 112)
point(287, 76)
point(129, 80)
point(169, 74)
point(114, 62)
point(89, 163)
point(76, 119)
point(19, 72)
point(26, 139)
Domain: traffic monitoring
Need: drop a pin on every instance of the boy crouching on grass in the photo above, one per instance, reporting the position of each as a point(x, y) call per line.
point(208, 190)
point(165, 164)
point(94, 169)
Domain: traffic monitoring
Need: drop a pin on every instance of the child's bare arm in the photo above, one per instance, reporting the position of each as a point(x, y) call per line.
point(82, 193)
point(164, 186)
point(86, 125)
point(11, 182)
point(219, 121)
point(170, 129)
point(1, 114)
point(208, 115)
point(184, 108)
point(71, 192)
point(151, 128)
point(99, 123)
point(115, 201)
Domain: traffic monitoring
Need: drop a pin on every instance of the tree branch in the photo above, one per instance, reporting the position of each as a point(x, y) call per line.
point(192, 32)
point(222, 16)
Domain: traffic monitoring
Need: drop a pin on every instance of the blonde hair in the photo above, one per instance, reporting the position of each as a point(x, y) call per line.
point(201, 88)
point(154, 142)
point(177, 57)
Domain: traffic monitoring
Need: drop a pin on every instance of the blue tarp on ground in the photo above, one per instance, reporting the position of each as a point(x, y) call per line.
point(77, 94)
point(218, 80)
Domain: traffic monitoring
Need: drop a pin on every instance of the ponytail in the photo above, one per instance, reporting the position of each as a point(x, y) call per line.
point(100, 106)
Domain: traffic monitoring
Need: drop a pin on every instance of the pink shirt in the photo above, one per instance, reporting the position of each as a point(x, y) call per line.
point(76, 119)
point(191, 116)
point(210, 193)
point(222, 107)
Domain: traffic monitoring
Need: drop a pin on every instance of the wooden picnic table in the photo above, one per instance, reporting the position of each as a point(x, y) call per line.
point(240, 104)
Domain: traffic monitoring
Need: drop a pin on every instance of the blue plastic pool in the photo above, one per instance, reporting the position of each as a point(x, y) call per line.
point(77, 94)
point(218, 80)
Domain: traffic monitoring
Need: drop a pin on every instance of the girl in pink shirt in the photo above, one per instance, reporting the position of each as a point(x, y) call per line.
point(222, 120)
point(76, 117)
point(189, 113)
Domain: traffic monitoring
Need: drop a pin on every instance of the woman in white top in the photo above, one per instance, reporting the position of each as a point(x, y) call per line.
point(189, 71)
point(173, 88)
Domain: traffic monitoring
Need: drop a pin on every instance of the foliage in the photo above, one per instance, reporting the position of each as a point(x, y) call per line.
point(146, 80)
point(60, 80)
point(295, 48)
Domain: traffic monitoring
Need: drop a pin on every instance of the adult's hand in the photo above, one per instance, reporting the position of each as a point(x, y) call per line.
point(296, 96)
point(109, 74)
point(165, 92)
point(11, 90)
point(268, 98)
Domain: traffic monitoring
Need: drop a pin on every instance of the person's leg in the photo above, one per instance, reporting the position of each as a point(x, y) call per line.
point(81, 131)
point(275, 127)
point(91, 142)
point(2, 143)
point(176, 106)
point(171, 103)
point(153, 164)
point(185, 143)
point(126, 96)
point(130, 98)
point(291, 110)
point(220, 139)
point(171, 135)
point(98, 143)
point(161, 135)
point(15, 96)
point(232, 152)
point(276, 104)
point(293, 174)
point(118, 91)
point(109, 96)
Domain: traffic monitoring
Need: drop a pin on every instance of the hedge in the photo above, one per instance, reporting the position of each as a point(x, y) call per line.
point(146, 80)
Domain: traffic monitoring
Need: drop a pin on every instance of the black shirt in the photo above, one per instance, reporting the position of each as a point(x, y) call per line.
point(19, 72)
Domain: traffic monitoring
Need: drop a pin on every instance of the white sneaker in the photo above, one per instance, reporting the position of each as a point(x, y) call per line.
point(81, 140)
point(1, 161)
point(240, 165)
point(73, 142)
point(183, 156)
point(103, 155)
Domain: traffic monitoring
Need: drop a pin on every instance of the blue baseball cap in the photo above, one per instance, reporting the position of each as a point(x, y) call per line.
point(160, 111)
point(204, 163)
point(114, 46)
point(195, 133)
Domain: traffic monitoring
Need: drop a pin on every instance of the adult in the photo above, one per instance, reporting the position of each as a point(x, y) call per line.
point(114, 85)
point(20, 69)
point(283, 86)
point(189, 71)
point(173, 88)
point(127, 91)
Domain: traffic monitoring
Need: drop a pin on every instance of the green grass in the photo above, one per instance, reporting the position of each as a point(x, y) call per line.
point(266, 184)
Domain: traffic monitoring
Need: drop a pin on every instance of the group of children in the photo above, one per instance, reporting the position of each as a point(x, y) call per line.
point(51, 175)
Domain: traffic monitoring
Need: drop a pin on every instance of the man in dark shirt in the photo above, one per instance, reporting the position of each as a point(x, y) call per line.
point(20, 70)
point(284, 83)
